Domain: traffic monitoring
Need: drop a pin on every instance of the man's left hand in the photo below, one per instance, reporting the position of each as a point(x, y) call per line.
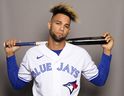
point(110, 42)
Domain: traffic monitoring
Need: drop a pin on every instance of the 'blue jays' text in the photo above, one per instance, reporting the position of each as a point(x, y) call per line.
point(61, 67)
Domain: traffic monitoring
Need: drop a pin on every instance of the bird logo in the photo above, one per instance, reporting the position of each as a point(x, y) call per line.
point(71, 86)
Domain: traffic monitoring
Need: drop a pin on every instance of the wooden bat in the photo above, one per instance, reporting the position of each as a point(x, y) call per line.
point(75, 41)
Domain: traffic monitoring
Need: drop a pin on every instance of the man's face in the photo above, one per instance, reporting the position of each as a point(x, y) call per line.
point(59, 27)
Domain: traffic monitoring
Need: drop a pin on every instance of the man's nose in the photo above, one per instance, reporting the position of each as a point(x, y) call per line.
point(62, 28)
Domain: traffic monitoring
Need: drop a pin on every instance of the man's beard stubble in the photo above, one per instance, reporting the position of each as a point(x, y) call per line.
point(56, 38)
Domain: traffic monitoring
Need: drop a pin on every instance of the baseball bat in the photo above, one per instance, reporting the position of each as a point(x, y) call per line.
point(75, 41)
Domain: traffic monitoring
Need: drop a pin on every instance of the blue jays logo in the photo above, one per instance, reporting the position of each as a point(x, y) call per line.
point(71, 86)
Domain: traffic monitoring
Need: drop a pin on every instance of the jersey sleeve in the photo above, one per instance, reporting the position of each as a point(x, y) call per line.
point(103, 67)
point(89, 69)
point(12, 69)
point(24, 70)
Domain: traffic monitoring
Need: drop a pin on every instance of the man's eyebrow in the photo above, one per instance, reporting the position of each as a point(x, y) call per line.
point(57, 20)
point(67, 24)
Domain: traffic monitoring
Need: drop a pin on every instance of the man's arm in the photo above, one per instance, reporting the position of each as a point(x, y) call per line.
point(13, 69)
point(12, 66)
point(103, 72)
point(104, 64)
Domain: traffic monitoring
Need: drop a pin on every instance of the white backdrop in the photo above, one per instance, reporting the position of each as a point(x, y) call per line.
point(26, 20)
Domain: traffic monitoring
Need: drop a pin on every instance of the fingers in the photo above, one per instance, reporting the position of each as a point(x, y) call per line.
point(10, 43)
point(107, 36)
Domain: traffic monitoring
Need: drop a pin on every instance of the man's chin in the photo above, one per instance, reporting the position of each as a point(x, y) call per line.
point(59, 39)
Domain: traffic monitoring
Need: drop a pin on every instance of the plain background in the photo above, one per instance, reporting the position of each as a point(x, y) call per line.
point(26, 20)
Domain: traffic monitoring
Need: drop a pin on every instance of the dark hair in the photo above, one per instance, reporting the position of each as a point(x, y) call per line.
point(66, 10)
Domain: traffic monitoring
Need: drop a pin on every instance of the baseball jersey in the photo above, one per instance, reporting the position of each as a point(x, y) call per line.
point(56, 75)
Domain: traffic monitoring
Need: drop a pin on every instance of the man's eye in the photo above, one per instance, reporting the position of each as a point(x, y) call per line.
point(57, 22)
point(67, 27)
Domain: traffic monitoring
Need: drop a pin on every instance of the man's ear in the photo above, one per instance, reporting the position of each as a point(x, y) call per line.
point(49, 24)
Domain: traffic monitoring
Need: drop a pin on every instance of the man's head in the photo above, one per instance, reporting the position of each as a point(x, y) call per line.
point(59, 24)
point(66, 10)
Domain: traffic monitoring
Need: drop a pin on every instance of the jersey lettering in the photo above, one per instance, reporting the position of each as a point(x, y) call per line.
point(62, 67)
point(41, 69)
point(69, 69)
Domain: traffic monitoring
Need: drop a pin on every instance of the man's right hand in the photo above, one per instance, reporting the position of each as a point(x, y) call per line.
point(10, 47)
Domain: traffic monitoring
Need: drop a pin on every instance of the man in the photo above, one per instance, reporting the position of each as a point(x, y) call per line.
point(56, 66)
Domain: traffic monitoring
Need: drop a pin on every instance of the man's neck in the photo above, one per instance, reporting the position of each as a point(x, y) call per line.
point(53, 45)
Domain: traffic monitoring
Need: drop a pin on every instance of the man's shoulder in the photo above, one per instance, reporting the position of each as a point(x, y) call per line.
point(76, 48)
point(36, 48)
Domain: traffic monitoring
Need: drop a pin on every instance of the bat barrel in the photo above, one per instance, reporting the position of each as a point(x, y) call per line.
point(87, 40)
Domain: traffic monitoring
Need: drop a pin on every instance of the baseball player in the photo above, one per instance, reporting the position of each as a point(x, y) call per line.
point(56, 66)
